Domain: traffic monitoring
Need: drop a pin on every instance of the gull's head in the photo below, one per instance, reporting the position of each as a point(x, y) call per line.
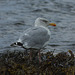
point(43, 22)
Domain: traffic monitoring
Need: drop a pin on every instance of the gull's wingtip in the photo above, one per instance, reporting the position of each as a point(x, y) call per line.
point(13, 44)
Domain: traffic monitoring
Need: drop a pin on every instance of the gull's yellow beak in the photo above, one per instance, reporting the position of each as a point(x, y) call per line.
point(52, 24)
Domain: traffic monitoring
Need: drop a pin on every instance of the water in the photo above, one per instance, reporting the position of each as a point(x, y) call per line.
point(18, 15)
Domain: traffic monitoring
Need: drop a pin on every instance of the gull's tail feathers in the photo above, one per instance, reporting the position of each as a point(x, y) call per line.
point(17, 44)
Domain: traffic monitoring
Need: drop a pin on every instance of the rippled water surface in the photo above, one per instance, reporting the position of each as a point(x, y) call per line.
point(18, 15)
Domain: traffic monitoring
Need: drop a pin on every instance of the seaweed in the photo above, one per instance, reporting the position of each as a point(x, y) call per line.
point(18, 63)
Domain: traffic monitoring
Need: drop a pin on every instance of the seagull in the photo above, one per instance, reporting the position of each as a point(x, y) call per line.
point(36, 37)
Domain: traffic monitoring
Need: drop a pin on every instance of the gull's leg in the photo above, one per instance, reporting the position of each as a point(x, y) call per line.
point(39, 56)
point(30, 54)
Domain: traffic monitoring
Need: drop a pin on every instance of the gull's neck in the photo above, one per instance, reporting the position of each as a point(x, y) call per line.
point(45, 27)
point(42, 26)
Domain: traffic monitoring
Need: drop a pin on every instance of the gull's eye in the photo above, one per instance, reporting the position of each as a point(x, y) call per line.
point(45, 21)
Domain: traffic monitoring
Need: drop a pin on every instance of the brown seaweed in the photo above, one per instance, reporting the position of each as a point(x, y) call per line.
point(18, 63)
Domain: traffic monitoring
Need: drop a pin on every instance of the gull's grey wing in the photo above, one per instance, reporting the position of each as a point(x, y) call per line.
point(34, 37)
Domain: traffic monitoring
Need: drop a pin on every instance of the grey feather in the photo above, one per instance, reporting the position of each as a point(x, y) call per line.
point(35, 37)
